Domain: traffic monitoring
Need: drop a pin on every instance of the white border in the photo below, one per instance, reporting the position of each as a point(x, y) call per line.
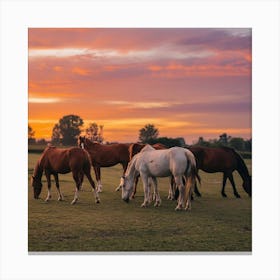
point(262, 16)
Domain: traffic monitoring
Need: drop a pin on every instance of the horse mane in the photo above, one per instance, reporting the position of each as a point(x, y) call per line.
point(38, 170)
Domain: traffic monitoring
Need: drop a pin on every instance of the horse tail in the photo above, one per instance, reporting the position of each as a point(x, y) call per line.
point(191, 173)
point(191, 169)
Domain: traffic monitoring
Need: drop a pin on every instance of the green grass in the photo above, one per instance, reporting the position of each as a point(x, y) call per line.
point(214, 223)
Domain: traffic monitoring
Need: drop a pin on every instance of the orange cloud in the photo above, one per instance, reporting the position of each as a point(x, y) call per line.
point(80, 71)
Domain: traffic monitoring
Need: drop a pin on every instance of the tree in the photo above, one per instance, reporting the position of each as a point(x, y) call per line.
point(147, 133)
point(202, 142)
point(237, 143)
point(95, 133)
point(224, 139)
point(31, 134)
point(67, 130)
point(168, 142)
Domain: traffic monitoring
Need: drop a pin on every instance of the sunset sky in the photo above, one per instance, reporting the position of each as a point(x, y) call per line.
point(187, 82)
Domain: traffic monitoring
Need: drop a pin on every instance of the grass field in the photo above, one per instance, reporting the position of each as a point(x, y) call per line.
point(214, 224)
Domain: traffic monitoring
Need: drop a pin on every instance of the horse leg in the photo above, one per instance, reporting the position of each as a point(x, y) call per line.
point(157, 196)
point(87, 172)
point(146, 190)
point(224, 184)
point(77, 179)
point(60, 196)
point(48, 176)
point(135, 186)
point(171, 192)
point(182, 192)
point(189, 186)
point(197, 192)
point(98, 178)
point(233, 186)
point(82, 180)
point(124, 165)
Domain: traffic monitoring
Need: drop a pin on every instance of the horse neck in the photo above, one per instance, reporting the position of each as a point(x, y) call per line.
point(38, 170)
point(242, 168)
point(131, 169)
point(89, 144)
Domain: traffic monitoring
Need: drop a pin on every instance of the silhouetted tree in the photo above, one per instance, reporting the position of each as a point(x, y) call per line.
point(67, 130)
point(31, 134)
point(95, 132)
point(237, 143)
point(147, 133)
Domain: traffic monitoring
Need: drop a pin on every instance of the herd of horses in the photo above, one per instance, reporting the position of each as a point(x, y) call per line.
point(139, 160)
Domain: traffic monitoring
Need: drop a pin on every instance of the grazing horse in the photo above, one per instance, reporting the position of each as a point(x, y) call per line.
point(225, 160)
point(151, 163)
point(105, 156)
point(54, 161)
point(134, 149)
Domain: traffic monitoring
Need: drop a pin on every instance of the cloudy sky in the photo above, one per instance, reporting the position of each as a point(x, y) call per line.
point(187, 82)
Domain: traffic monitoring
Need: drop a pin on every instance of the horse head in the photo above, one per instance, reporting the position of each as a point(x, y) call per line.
point(37, 186)
point(127, 188)
point(247, 185)
point(81, 142)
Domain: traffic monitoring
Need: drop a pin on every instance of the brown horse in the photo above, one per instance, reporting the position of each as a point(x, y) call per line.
point(105, 156)
point(54, 161)
point(225, 160)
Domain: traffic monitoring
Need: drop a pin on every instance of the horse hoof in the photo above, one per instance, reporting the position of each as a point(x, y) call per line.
point(224, 195)
point(143, 205)
point(97, 201)
point(73, 202)
point(117, 189)
point(178, 208)
point(237, 195)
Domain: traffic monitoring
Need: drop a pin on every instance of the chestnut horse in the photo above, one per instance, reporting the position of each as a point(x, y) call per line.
point(54, 161)
point(225, 160)
point(105, 156)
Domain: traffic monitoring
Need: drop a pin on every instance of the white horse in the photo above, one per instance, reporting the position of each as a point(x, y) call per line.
point(151, 163)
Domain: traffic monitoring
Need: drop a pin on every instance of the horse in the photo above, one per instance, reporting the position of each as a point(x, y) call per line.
point(151, 163)
point(135, 149)
point(105, 156)
point(225, 160)
point(54, 161)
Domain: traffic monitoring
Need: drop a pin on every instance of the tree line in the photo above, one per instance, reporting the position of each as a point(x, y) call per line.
point(69, 127)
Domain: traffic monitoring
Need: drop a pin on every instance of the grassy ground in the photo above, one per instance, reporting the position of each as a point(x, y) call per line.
point(214, 223)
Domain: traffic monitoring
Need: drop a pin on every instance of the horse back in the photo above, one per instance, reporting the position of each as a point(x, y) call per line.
point(63, 161)
point(215, 159)
point(109, 155)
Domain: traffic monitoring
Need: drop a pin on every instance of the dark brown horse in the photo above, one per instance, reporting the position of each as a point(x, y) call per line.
point(225, 160)
point(56, 161)
point(105, 156)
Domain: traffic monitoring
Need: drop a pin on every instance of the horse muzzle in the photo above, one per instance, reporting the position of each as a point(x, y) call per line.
point(126, 199)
